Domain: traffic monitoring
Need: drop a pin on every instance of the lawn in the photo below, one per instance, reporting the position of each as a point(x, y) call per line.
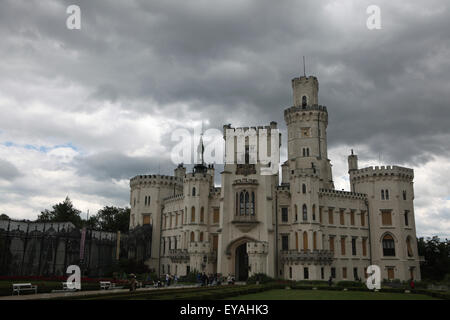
point(292, 294)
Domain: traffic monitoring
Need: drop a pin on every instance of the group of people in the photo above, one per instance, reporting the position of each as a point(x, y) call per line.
point(209, 280)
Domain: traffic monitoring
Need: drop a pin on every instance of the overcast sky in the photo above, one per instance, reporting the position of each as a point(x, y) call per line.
point(82, 111)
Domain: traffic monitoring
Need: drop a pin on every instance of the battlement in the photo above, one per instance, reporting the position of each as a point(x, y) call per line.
point(305, 172)
point(197, 176)
point(260, 247)
point(342, 194)
point(304, 80)
point(153, 179)
point(215, 191)
point(383, 171)
point(245, 181)
point(273, 125)
point(24, 226)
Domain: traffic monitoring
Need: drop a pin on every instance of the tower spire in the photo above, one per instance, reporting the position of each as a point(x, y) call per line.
point(304, 66)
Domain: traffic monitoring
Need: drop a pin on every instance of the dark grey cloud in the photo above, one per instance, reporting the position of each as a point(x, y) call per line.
point(8, 171)
point(229, 62)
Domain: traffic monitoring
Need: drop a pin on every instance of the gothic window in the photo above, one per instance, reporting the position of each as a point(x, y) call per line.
point(364, 250)
point(406, 217)
point(314, 212)
point(201, 236)
point(354, 246)
point(296, 212)
point(202, 215)
point(252, 204)
point(192, 236)
point(304, 101)
point(284, 215)
point(387, 194)
point(285, 242)
point(382, 194)
point(388, 246)
point(314, 240)
point(307, 152)
point(145, 200)
point(303, 188)
point(305, 273)
point(247, 204)
point(404, 195)
point(305, 240)
point(343, 246)
point(237, 203)
point(305, 212)
point(386, 218)
point(193, 214)
point(193, 192)
point(241, 204)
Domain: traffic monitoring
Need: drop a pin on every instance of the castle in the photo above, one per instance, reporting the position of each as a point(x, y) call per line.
point(300, 229)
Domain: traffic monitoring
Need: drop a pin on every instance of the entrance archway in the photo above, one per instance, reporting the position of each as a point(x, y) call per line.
point(241, 262)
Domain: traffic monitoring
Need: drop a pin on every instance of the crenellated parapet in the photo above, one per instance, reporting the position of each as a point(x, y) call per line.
point(304, 173)
point(383, 172)
point(245, 181)
point(197, 176)
point(306, 113)
point(273, 125)
point(175, 198)
point(342, 194)
point(155, 180)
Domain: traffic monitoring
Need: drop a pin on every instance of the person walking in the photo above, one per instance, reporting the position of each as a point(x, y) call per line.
point(330, 281)
point(133, 282)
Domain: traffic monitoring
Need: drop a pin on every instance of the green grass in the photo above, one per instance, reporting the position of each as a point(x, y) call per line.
point(283, 294)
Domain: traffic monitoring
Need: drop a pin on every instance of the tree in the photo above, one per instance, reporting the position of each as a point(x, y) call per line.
point(437, 258)
point(62, 212)
point(112, 219)
point(4, 217)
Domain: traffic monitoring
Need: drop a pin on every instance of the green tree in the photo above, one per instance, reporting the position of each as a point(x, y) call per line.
point(62, 212)
point(4, 217)
point(437, 258)
point(112, 219)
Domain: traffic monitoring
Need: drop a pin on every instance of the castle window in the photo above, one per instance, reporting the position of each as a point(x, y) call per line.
point(352, 218)
point(354, 246)
point(322, 273)
point(387, 194)
point(296, 241)
point(201, 236)
point(241, 204)
point(330, 216)
point(333, 272)
point(303, 188)
point(145, 200)
point(363, 218)
point(314, 240)
point(388, 246)
point(355, 274)
point(192, 236)
point(406, 218)
point(386, 218)
point(305, 273)
point(331, 243)
point(341, 217)
point(202, 215)
point(247, 204)
point(391, 274)
point(364, 246)
point(192, 214)
point(296, 212)
point(305, 240)
point(290, 272)
point(252, 204)
point(344, 273)
point(320, 214)
point(343, 246)
point(314, 212)
point(285, 242)
point(404, 194)
point(305, 212)
point(193, 192)
point(382, 194)
point(216, 215)
point(307, 152)
point(304, 101)
point(284, 214)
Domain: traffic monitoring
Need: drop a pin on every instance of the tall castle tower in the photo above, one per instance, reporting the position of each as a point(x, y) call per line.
point(307, 131)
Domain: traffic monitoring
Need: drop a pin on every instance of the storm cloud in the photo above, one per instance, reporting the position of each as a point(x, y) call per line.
point(137, 70)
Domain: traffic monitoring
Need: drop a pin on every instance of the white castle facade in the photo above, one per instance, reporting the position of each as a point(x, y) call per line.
point(302, 228)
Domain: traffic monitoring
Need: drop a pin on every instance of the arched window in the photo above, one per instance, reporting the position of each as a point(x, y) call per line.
point(186, 216)
point(192, 236)
point(314, 241)
point(241, 204)
point(314, 212)
point(387, 194)
point(305, 213)
point(247, 204)
point(202, 215)
point(303, 188)
point(201, 236)
point(388, 246)
point(296, 241)
point(404, 194)
point(409, 247)
point(237, 203)
point(296, 212)
point(252, 204)
point(193, 191)
point(305, 240)
point(304, 101)
point(193, 214)
point(382, 194)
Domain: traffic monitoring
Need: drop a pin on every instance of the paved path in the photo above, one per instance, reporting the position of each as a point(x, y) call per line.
point(41, 296)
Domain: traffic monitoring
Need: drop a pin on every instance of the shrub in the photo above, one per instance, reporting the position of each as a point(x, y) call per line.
point(346, 284)
point(259, 277)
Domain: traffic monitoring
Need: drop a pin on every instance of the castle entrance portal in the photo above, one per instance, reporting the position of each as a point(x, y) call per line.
point(241, 263)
